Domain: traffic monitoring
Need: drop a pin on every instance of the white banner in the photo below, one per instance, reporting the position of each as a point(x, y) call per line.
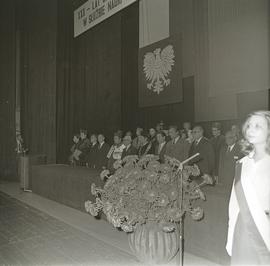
point(93, 12)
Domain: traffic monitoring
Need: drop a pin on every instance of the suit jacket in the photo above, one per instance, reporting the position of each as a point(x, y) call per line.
point(148, 148)
point(217, 142)
point(130, 151)
point(206, 159)
point(92, 156)
point(101, 156)
point(160, 153)
point(178, 150)
point(227, 162)
point(83, 146)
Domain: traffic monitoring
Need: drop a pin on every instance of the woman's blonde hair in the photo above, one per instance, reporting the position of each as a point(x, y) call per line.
point(248, 147)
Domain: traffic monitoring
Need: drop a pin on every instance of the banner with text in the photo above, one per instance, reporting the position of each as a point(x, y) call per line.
point(93, 12)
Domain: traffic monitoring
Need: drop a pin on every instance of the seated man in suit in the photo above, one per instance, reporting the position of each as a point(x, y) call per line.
point(201, 145)
point(161, 146)
point(129, 149)
point(177, 147)
point(83, 147)
point(146, 145)
point(91, 157)
point(115, 152)
point(102, 151)
point(218, 141)
point(229, 154)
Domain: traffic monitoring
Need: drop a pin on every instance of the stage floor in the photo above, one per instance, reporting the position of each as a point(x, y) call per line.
point(83, 222)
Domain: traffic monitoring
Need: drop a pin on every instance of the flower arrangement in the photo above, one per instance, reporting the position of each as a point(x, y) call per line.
point(144, 190)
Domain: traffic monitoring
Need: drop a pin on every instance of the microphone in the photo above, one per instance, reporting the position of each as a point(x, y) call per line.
point(187, 160)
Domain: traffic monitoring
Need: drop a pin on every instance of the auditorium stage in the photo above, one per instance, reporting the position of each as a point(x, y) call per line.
point(99, 229)
point(71, 186)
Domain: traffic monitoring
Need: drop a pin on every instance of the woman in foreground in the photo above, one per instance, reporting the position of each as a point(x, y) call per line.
point(248, 240)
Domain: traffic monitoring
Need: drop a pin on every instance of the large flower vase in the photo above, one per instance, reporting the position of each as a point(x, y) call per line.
point(151, 245)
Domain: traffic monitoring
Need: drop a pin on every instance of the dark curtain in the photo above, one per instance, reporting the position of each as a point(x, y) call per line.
point(39, 77)
point(7, 91)
point(88, 78)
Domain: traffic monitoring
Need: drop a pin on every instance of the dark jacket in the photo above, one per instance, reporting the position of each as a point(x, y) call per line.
point(130, 151)
point(92, 156)
point(227, 163)
point(160, 153)
point(178, 150)
point(84, 147)
point(148, 148)
point(217, 142)
point(101, 158)
point(206, 159)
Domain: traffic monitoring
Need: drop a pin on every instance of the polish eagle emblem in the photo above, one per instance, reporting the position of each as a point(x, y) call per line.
point(157, 65)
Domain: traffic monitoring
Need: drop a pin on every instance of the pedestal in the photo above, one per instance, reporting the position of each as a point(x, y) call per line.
point(23, 170)
point(25, 163)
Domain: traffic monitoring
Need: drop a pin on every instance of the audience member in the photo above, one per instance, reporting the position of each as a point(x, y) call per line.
point(237, 131)
point(217, 140)
point(136, 143)
point(92, 154)
point(152, 136)
point(159, 126)
point(129, 149)
point(161, 146)
point(183, 134)
point(115, 152)
point(146, 147)
point(229, 154)
point(188, 131)
point(102, 151)
point(74, 157)
point(206, 158)
point(83, 147)
point(177, 147)
point(129, 133)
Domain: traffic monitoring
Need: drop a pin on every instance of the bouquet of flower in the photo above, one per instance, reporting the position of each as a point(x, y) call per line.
point(143, 190)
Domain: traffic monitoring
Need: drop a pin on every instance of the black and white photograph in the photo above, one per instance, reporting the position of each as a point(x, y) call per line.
point(135, 132)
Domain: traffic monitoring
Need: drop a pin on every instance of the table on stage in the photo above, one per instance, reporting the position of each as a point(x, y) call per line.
point(72, 186)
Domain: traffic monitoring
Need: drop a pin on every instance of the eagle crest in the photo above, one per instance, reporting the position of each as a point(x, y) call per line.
point(157, 65)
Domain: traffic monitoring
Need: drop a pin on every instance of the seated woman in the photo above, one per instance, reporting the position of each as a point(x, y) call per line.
point(146, 147)
point(74, 156)
point(115, 152)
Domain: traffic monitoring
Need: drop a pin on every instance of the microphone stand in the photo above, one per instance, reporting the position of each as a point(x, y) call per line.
point(180, 202)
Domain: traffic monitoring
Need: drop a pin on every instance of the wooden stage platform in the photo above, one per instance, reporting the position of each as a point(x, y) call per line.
point(71, 186)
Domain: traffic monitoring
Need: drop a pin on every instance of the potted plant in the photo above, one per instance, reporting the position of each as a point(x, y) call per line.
point(143, 198)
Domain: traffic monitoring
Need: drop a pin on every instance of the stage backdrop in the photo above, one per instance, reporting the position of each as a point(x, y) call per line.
point(160, 73)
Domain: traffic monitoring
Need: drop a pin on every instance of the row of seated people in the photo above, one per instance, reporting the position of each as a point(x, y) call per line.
point(217, 155)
